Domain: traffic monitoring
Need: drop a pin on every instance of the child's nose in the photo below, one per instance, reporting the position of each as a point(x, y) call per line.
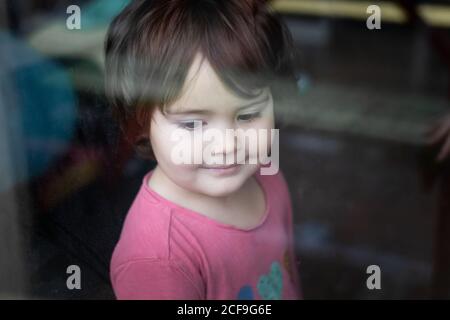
point(229, 144)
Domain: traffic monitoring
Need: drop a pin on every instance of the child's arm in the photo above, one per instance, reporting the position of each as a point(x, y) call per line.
point(154, 279)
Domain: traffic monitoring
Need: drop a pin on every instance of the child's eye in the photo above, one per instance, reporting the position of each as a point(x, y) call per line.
point(249, 116)
point(191, 125)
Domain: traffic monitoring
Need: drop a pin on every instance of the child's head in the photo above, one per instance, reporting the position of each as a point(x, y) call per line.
point(223, 58)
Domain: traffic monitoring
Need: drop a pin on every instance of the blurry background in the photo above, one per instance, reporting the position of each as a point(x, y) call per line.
point(365, 185)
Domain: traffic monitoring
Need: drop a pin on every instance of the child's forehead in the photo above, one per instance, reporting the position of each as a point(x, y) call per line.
point(204, 90)
point(214, 103)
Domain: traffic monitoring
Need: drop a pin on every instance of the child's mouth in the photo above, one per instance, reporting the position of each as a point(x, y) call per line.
point(222, 169)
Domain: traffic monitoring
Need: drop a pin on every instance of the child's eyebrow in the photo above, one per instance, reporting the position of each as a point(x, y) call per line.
point(206, 112)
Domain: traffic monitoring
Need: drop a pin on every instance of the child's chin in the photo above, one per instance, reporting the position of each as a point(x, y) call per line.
point(221, 188)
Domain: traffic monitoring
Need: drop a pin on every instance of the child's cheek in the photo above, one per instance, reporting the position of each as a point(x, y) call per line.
point(181, 148)
point(265, 135)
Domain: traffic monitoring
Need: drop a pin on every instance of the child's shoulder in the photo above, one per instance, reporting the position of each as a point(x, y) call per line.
point(145, 231)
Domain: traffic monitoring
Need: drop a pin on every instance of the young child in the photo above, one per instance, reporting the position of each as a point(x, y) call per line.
point(201, 230)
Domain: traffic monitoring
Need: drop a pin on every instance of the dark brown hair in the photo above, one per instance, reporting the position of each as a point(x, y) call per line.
point(151, 45)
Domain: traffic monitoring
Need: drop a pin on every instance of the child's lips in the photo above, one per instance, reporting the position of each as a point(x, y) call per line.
point(222, 170)
point(225, 169)
point(225, 166)
point(221, 166)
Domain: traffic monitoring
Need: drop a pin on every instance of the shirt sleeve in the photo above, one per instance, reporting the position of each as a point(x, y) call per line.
point(154, 279)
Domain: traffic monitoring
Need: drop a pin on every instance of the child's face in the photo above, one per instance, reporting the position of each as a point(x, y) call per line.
point(216, 107)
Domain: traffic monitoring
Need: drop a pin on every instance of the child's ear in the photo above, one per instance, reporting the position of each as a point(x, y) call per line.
point(143, 147)
point(142, 140)
point(136, 127)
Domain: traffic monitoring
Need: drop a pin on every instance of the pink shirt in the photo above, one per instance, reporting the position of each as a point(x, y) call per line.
point(166, 251)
